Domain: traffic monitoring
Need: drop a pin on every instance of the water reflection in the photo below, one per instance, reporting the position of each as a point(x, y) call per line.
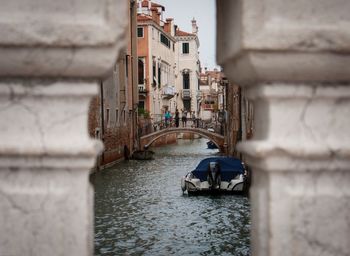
point(140, 209)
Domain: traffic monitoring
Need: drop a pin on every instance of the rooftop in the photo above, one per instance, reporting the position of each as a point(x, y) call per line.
point(179, 32)
point(145, 4)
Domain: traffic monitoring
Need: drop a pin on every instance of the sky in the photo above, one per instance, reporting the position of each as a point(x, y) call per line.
point(183, 11)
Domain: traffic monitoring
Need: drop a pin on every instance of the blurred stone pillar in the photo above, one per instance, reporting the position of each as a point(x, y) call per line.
point(52, 53)
point(293, 57)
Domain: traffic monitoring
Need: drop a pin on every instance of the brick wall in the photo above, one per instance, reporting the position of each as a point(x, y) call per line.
point(94, 119)
point(114, 138)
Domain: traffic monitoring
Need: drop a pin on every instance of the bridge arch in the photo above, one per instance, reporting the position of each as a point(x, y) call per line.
point(147, 140)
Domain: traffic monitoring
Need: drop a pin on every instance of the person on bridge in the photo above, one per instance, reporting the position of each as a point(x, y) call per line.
point(167, 118)
point(177, 118)
point(193, 117)
point(184, 118)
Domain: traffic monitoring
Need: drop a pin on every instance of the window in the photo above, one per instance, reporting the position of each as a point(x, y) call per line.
point(139, 32)
point(107, 117)
point(141, 73)
point(185, 48)
point(154, 69)
point(187, 105)
point(159, 75)
point(127, 65)
point(165, 40)
point(186, 80)
point(141, 105)
point(117, 116)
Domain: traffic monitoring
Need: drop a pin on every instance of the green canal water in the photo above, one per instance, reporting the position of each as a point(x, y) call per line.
point(140, 209)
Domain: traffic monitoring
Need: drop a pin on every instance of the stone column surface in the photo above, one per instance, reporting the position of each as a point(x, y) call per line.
point(52, 54)
point(293, 58)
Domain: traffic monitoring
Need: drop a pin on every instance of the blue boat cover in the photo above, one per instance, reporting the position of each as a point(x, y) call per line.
point(229, 167)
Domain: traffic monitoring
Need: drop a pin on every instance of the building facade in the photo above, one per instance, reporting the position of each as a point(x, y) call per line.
point(156, 61)
point(212, 95)
point(113, 112)
point(187, 69)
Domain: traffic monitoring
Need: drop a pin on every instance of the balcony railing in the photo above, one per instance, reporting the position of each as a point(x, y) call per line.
point(186, 94)
point(168, 92)
point(142, 91)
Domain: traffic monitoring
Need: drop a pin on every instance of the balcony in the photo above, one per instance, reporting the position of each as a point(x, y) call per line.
point(168, 92)
point(142, 91)
point(186, 94)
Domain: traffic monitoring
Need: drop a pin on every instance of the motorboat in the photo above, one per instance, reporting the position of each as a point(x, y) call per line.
point(215, 174)
point(211, 145)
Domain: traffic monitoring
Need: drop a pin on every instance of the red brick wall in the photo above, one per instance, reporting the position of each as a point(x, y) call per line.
point(115, 139)
point(94, 119)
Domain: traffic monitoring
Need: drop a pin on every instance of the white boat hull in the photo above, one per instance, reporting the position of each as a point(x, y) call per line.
point(195, 185)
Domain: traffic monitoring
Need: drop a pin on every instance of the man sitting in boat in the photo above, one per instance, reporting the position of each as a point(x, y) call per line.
point(214, 175)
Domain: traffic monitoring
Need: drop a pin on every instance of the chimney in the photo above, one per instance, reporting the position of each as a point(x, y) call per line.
point(194, 26)
point(144, 3)
point(155, 15)
point(168, 25)
point(158, 17)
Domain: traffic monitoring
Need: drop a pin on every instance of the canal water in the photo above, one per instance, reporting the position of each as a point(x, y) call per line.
point(140, 209)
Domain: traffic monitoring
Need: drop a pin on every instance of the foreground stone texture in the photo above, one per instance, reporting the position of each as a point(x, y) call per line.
point(293, 57)
point(67, 38)
point(52, 53)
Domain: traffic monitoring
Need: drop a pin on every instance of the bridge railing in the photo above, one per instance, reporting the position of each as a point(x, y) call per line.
point(150, 127)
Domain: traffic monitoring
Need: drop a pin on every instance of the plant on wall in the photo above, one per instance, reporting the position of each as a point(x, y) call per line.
point(144, 113)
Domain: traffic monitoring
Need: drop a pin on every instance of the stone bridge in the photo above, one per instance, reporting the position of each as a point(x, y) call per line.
point(218, 139)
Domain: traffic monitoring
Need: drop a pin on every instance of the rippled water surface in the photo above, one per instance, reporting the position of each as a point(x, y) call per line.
point(140, 209)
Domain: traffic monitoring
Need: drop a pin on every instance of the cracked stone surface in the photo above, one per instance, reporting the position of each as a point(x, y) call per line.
point(68, 38)
point(39, 207)
point(52, 55)
point(301, 175)
point(37, 115)
point(293, 58)
point(301, 120)
point(300, 213)
point(273, 40)
point(46, 155)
